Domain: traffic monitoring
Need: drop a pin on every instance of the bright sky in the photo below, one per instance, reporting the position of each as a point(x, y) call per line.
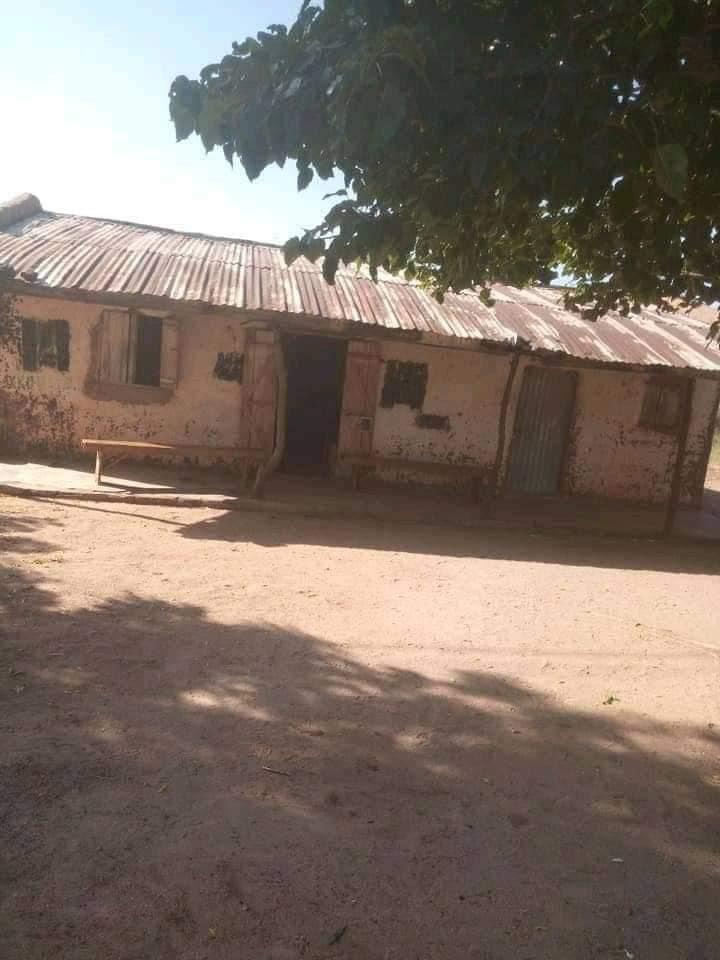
point(85, 121)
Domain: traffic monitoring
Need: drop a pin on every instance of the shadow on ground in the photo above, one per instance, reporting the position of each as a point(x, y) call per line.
point(557, 547)
point(17, 534)
point(178, 788)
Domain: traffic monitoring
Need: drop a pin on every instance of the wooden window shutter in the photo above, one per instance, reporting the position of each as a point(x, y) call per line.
point(114, 343)
point(362, 375)
point(169, 352)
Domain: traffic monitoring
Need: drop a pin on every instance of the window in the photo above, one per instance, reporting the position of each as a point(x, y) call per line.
point(137, 348)
point(662, 405)
point(45, 343)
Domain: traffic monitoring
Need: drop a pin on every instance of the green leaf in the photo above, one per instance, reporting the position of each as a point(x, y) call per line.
point(390, 115)
point(671, 169)
point(305, 175)
point(292, 250)
point(478, 167)
point(329, 267)
point(313, 249)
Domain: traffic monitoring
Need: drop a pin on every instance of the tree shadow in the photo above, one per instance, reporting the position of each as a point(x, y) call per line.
point(17, 533)
point(555, 547)
point(175, 787)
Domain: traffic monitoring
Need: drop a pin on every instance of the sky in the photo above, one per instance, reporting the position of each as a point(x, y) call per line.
point(85, 124)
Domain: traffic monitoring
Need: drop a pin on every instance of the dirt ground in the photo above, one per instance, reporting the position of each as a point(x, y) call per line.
point(244, 737)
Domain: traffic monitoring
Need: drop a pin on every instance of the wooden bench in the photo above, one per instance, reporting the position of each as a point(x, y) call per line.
point(363, 465)
point(117, 450)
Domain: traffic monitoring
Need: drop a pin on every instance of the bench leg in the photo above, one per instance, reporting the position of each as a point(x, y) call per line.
point(98, 467)
point(356, 477)
point(475, 489)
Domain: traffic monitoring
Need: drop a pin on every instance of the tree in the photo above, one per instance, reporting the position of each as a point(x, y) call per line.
point(490, 140)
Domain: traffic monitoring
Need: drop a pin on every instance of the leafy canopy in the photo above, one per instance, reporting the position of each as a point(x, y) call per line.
point(490, 140)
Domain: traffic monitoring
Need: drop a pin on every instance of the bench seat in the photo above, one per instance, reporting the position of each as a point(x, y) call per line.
point(117, 450)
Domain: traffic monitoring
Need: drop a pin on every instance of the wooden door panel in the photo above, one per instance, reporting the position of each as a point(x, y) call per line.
point(259, 391)
point(362, 373)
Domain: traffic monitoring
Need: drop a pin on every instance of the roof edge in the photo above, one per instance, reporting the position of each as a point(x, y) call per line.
point(350, 328)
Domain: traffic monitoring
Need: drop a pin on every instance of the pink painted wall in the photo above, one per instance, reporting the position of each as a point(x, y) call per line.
point(463, 385)
point(53, 409)
point(609, 454)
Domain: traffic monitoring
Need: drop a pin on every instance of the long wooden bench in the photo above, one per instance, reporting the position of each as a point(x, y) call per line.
point(113, 451)
point(363, 466)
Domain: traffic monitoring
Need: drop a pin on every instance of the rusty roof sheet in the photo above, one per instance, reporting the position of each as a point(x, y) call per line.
point(98, 257)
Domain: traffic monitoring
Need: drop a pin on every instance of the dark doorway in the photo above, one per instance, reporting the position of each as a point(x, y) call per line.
point(542, 423)
point(316, 368)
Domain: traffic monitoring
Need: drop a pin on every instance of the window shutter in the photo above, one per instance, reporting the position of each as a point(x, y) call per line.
point(169, 353)
point(357, 420)
point(114, 339)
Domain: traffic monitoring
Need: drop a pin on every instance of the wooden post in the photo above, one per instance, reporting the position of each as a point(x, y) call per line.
point(98, 467)
point(265, 471)
point(676, 486)
point(502, 423)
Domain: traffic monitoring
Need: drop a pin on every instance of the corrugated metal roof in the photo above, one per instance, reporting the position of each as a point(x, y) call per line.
point(74, 253)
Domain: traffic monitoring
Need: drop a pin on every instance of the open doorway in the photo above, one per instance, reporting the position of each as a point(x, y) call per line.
point(316, 370)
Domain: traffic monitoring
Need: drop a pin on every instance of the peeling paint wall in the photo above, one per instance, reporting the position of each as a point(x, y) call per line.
point(466, 387)
point(706, 396)
point(51, 410)
point(611, 455)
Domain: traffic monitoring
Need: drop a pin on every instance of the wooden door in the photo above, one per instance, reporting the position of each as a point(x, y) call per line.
point(362, 372)
point(542, 424)
point(259, 391)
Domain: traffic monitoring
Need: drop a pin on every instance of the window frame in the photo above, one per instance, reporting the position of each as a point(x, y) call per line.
point(44, 344)
point(126, 390)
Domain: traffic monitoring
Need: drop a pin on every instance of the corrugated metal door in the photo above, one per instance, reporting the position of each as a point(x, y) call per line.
point(362, 373)
point(258, 398)
point(542, 422)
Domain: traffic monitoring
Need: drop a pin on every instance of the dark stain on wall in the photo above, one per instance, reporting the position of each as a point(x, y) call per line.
point(432, 421)
point(36, 422)
point(405, 382)
point(229, 366)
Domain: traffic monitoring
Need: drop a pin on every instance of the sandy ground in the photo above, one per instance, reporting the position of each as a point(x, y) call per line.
point(238, 736)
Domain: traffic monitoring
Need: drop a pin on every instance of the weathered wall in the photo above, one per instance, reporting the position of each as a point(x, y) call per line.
point(702, 425)
point(463, 386)
point(609, 454)
point(54, 410)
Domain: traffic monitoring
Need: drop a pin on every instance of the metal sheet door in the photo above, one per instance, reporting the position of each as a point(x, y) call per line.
point(362, 372)
point(542, 423)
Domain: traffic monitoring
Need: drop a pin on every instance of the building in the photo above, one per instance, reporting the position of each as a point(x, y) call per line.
point(134, 332)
